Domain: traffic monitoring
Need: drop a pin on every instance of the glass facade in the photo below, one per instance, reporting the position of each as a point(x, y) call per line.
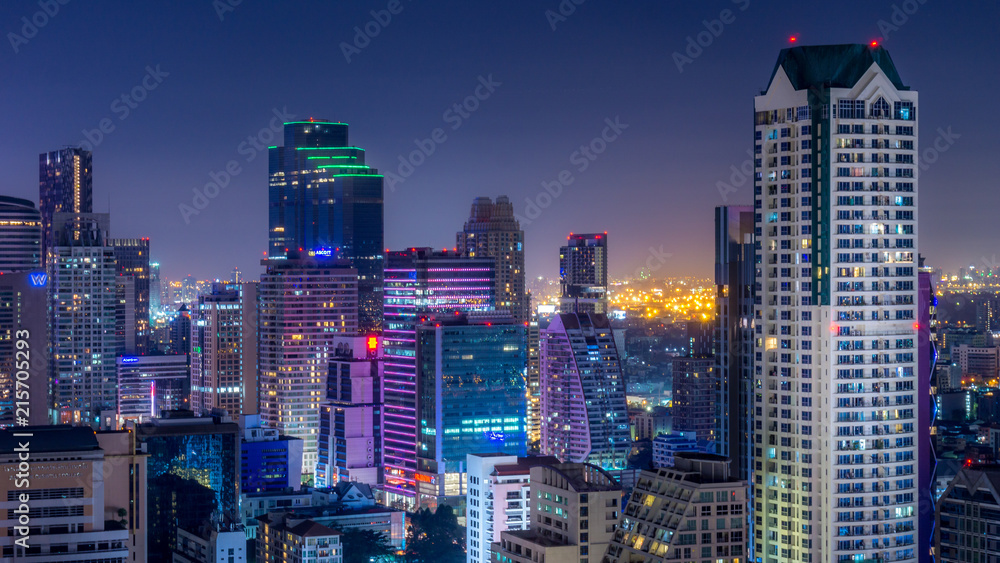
point(325, 201)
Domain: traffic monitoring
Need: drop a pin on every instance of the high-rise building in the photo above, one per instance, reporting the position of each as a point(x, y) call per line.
point(65, 185)
point(325, 201)
point(224, 350)
point(155, 291)
point(695, 510)
point(498, 499)
point(148, 385)
point(583, 274)
point(926, 394)
point(180, 331)
point(419, 283)
point(83, 500)
point(193, 475)
point(734, 281)
point(967, 518)
point(83, 306)
point(574, 513)
point(493, 232)
point(835, 405)
point(20, 235)
point(695, 392)
point(534, 391)
point(470, 398)
point(132, 260)
point(583, 407)
point(350, 426)
point(23, 348)
point(303, 306)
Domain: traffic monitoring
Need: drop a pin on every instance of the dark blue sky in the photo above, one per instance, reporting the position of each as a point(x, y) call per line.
point(653, 187)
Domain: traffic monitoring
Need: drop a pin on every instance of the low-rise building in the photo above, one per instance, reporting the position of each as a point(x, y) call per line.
point(285, 538)
point(967, 526)
point(211, 544)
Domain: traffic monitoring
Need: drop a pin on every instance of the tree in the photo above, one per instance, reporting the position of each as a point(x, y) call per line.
point(435, 537)
point(366, 546)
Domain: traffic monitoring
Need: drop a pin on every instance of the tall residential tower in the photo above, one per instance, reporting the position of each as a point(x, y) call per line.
point(65, 185)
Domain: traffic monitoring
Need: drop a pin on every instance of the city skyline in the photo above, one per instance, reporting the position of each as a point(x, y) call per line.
point(192, 123)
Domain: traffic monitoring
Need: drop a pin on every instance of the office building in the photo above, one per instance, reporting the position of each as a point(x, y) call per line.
point(82, 496)
point(649, 424)
point(419, 283)
point(193, 476)
point(148, 385)
point(303, 306)
point(534, 391)
point(583, 274)
point(926, 393)
point(835, 413)
point(132, 268)
point(23, 348)
point(268, 460)
point(283, 538)
point(470, 398)
point(180, 331)
point(65, 185)
point(155, 292)
point(982, 363)
point(967, 519)
point(574, 512)
point(666, 447)
point(498, 499)
point(695, 392)
point(325, 201)
point(350, 426)
point(83, 308)
point(734, 282)
point(224, 350)
point(583, 407)
point(20, 235)
point(493, 232)
point(695, 510)
point(211, 544)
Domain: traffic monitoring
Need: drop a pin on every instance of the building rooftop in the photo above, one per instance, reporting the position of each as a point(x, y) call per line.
point(833, 66)
point(524, 465)
point(62, 438)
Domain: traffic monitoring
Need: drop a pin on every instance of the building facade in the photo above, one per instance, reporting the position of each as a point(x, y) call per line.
point(583, 406)
point(23, 348)
point(20, 235)
point(268, 461)
point(583, 274)
point(835, 437)
point(304, 306)
point(325, 201)
point(419, 283)
point(132, 268)
point(967, 519)
point(695, 392)
point(148, 385)
point(65, 185)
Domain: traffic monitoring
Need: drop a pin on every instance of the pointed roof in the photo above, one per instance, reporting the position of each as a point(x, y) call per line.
point(833, 66)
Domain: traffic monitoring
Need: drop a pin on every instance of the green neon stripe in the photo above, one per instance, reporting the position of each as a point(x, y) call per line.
point(327, 148)
point(318, 157)
point(358, 175)
point(274, 147)
point(316, 122)
point(344, 166)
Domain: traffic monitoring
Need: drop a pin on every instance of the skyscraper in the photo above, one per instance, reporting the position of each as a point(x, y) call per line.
point(224, 350)
point(65, 185)
point(83, 307)
point(304, 305)
point(20, 235)
point(23, 342)
point(419, 283)
point(734, 281)
point(493, 232)
point(583, 407)
point(148, 385)
point(835, 452)
point(326, 201)
point(470, 398)
point(132, 262)
point(695, 394)
point(583, 274)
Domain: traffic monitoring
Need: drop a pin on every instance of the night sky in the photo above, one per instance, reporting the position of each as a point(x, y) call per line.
point(653, 188)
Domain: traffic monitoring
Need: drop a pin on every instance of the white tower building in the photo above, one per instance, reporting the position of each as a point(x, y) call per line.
point(835, 452)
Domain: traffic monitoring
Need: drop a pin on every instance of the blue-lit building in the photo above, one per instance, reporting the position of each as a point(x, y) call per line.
point(419, 283)
point(192, 473)
point(471, 397)
point(324, 200)
point(269, 461)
